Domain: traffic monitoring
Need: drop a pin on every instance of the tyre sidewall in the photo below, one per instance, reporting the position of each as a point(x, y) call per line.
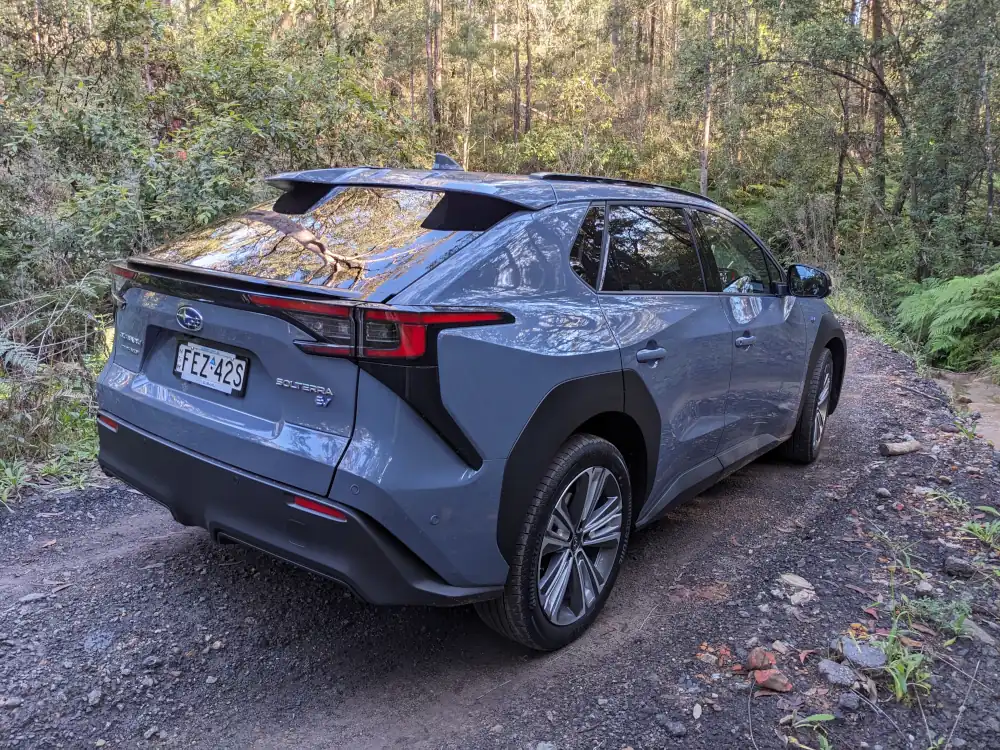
point(824, 362)
point(594, 452)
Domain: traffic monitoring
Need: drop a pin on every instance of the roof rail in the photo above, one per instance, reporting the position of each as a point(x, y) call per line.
point(443, 161)
point(565, 177)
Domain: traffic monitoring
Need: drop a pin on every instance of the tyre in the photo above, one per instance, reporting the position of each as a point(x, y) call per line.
point(807, 440)
point(569, 550)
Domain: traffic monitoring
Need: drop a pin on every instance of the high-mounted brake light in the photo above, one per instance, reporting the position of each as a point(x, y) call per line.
point(321, 508)
point(301, 305)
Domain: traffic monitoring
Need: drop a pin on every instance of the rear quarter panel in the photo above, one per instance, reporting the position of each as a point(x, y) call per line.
point(493, 378)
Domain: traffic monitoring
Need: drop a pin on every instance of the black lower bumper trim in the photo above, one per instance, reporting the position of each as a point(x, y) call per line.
point(234, 505)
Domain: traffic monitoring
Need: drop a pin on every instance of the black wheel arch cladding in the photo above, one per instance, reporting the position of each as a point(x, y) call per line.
point(830, 336)
point(563, 411)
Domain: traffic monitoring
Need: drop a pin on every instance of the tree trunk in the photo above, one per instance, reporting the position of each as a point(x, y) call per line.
point(988, 141)
point(878, 104)
point(527, 67)
point(707, 133)
point(468, 86)
point(517, 73)
point(429, 49)
point(845, 134)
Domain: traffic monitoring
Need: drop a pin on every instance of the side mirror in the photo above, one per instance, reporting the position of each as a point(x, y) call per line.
point(806, 281)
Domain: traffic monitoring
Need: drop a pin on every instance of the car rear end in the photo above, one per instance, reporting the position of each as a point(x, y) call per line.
point(243, 356)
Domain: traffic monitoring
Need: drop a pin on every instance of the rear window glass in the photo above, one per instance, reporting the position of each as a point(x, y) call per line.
point(358, 239)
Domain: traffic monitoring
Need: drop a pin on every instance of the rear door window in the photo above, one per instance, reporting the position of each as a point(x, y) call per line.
point(585, 257)
point(651, 250)
point(370, 242)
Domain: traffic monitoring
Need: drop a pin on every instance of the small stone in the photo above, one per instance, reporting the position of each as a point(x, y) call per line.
point(958, 567)
point(796, 582)
point(676, 729)
point(211, 680)
point(696, 711)
point(602, 701)
point(31, 598)
point(772, 679)
point(781, 647)
point(147, 682)
point(836, 674)
point(925, 589)
point(760, 658)
point(545, 746)
point(100, 743)
point(971, 629)
point(802, 597)
point(217, 645)
point(150, 732)
point(849, 701)
point(859, 654)
point(12, 702)
point(151, 662)
point(882, 492)
point(958, 742)
point(94, 697)
point(948, 427)
point(496, 729)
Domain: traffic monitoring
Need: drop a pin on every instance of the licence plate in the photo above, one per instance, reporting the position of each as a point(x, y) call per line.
point(218, 370)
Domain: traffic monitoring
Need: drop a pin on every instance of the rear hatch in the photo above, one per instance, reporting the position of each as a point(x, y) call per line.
point(237, 342)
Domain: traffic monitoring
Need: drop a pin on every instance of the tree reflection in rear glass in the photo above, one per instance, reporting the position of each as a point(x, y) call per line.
point(358, 239)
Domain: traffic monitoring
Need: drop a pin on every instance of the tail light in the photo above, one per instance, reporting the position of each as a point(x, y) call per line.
point(120, 277)
point(374, 333)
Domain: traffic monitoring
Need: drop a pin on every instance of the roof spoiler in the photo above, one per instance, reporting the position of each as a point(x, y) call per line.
point(443, 161)
point(559, 176)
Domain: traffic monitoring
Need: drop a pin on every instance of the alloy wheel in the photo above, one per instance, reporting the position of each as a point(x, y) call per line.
point(822, 405)
point(580, 546)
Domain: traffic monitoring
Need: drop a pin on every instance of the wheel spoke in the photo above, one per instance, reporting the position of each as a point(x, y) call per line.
point(596, 477)
point(560, 529)
point(552, 586)
point(604, 524)
point(585, 585)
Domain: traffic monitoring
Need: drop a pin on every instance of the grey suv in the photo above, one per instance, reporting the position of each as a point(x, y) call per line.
point(441, 387)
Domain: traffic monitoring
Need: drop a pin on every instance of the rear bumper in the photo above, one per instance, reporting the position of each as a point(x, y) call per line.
point(234, 505)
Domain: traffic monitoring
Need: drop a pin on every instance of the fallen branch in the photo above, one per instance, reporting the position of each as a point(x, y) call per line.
point(922, 393)
point(899, 449)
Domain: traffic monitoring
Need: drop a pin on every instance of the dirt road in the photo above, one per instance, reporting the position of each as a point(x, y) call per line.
point(148, 635)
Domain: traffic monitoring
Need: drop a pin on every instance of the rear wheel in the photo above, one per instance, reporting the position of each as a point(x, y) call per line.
point(570, 548)
point(807, 440)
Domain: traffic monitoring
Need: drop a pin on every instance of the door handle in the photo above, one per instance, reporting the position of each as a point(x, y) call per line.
point(745, 342)
point(650, 355)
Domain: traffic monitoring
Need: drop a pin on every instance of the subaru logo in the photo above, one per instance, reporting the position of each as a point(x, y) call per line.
point(189, 318)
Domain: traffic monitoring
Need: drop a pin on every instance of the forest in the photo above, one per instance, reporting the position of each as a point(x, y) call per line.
point(859, 135)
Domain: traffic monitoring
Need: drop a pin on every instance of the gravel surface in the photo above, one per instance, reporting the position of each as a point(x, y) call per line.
point(120, 628)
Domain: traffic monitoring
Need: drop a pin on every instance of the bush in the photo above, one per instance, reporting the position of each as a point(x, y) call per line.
point(956, 321)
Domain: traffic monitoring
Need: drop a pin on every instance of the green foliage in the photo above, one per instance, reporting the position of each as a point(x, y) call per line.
point(907, 669)
point(958, 321)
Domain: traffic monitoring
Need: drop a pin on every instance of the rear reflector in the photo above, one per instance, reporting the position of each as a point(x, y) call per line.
point(326, 510)
point(125, 273)
point(107, 422)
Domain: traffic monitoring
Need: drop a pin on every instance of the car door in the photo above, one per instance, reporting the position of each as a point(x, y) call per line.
point(673, 334)
point(768, 338)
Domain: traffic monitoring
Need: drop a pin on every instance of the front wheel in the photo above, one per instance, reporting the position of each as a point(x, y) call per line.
point(570, 548)
point(805, 443)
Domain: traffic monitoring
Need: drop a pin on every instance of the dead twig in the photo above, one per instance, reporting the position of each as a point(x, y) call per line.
point(961, 709)
point(930, 735)
point(750, 717)
point(643, 624)
point(935, 655)
point(922, 393)
point(880, 712)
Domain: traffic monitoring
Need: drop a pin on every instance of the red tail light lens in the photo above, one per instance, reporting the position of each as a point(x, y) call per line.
point(383, 334)
point(332, 323)
point(404, 335)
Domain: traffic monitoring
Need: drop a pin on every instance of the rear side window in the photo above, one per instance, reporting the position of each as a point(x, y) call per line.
point(651, 250)
point(585, 257)
point(356, 239)
point(739, 260)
